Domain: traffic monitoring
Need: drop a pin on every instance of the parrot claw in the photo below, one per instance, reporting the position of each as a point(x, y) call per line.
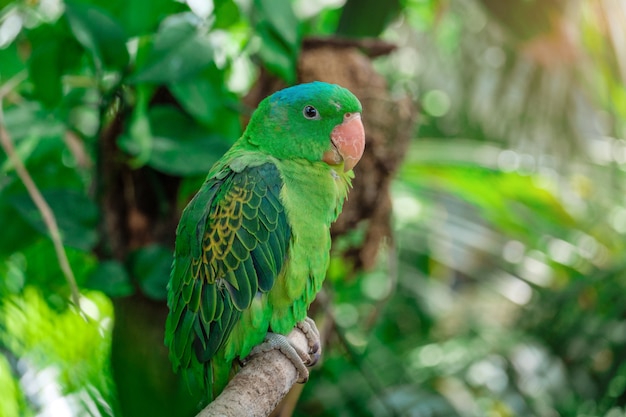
point(312, 334)
point(296, 355)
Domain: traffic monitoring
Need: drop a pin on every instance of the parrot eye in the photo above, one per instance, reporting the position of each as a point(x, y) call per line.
point(310, 112)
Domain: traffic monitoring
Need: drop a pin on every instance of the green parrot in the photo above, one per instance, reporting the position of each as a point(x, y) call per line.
point(252, 246)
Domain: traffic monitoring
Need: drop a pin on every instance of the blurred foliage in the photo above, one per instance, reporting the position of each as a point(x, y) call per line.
point(501, 294)
point(504, 294)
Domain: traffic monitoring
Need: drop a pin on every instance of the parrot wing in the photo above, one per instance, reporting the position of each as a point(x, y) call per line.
point(231, 243)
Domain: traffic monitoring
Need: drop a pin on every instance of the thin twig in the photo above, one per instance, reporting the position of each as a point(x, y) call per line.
point(42, 206)
point(7, 87)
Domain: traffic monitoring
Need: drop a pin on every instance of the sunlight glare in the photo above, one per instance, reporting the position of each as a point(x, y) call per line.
point(90, 308)
point(508, 160)
point(534, 269)
point(513, 251)
point(429, 355)
point(514, 288)
point(406, 209)
point(346, 315)
point(561, 251)
point(437, 103)
point(306, 9)
point(618, 219)
point(201, 8)
point(376, 285)
point(489, 373)
point(9, 29)
point(356, 339)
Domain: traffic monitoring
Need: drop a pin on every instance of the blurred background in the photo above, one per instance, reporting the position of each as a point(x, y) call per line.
point(478, 268)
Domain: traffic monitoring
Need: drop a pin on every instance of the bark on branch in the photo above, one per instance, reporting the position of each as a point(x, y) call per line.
point(259, 386)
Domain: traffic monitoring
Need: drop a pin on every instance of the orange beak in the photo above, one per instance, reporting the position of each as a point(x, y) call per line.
point(348, 142)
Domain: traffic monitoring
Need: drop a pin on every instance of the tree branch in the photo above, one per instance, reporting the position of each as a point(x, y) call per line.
point(42, 206)
point(259, 386)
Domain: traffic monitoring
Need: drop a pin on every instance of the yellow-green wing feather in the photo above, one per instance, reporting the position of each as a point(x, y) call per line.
point(231, 244)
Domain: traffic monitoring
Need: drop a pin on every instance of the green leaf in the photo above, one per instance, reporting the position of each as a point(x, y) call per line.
point(30, 120)
point(179, 146)
point(45, 72)
point(138, 141)
point(111, 278)
point(278, 28)
point(182, 147)
point(54, 52)
point(42, 269)
point(368, 18)
point(200, 97)
point(99, 33)
point(226, 14)
point(207, 100)
point(278, 59)
point(17, 233)
point(10, 62)
point(151, 266)
point(76, 215)
point(142, 17)
point(279, 16)
point(138, 17)
point(181, 49)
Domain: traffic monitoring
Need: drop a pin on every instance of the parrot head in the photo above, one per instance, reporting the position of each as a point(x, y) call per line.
point(314, 121)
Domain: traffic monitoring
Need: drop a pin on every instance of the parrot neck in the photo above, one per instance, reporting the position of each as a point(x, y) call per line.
point(315, 189)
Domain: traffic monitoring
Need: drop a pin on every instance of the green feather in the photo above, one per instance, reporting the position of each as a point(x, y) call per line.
point(196, 296)
point(242, 296)
point(238, 250)
point(247, 239)
point(188, 291)
point(207, 307)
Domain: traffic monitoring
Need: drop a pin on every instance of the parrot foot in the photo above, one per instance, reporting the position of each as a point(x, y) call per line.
point(309, 329)
point(275, 341)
